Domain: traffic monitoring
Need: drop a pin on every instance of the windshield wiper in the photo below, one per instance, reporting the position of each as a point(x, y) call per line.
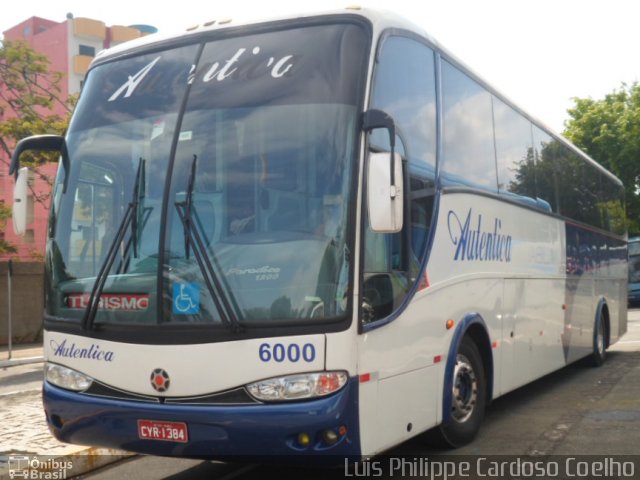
point(139, 218)
point(137, 205)
point(130, 218)
point(218, 290)
point(123, 266)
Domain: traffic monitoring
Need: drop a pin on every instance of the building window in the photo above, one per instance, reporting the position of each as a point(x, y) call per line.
point(87, 50)
point(29, 236)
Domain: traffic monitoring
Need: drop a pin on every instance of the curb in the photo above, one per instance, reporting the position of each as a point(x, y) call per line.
point(14, 362)
point(65, 466)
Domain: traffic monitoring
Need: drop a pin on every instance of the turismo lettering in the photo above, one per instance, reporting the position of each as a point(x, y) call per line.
point(475, 244)
point(125, 301)
point(93, 352)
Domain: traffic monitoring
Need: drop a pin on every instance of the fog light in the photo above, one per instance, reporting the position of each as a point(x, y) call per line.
point(304, 440)
point(330, 437)
point(57, 421)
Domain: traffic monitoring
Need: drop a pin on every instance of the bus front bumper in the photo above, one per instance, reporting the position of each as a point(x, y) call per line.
point(270, 432)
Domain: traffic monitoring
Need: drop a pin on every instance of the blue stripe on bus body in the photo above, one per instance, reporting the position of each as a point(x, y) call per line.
point(260, 432)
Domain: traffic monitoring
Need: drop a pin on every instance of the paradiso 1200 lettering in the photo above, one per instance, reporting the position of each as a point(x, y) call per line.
point(474, 244)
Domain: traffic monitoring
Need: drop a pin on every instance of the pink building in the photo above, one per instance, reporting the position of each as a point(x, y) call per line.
point(70, 46)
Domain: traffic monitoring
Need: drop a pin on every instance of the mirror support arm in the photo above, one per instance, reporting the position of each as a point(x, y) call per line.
point(373, 119)
point(55, 143)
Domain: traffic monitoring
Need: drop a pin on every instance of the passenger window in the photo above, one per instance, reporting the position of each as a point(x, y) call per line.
point(514, 154)
point(612, 206)
point(545, 173)
point(469, 156)
point(404, 88)
point(561, 179)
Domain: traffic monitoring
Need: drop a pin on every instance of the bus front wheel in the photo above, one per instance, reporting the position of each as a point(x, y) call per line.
point(468, 399)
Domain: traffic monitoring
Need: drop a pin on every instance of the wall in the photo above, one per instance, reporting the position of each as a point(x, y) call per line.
point(27, 285)
point(30, 246)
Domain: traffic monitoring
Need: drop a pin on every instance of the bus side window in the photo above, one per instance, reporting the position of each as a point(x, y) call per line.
point(92, 221)
point(404, 88)
point(468, 150)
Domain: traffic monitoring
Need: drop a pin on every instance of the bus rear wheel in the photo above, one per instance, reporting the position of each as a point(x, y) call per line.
point(599, 354)
point(468, 399)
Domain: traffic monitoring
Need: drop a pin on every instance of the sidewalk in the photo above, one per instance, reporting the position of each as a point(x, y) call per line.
point(23, 428)
point(20, 355)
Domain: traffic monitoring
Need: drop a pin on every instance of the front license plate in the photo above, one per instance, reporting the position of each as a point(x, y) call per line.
point(167, 431)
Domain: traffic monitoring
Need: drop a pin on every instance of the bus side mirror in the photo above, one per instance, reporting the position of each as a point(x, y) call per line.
point(22, 202)
point(384, 178)
point(385, 200)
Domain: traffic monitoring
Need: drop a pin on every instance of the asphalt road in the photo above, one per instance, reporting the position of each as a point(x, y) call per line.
point(575, 411)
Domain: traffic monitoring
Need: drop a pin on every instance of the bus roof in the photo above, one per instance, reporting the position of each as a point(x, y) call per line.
point(379, 19)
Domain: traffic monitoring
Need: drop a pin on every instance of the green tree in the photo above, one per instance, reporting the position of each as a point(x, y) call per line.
point(5, 214)
point(31, 103)
point(609, 131)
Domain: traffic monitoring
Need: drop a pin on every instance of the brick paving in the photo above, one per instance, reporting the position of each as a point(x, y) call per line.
point(23, 427)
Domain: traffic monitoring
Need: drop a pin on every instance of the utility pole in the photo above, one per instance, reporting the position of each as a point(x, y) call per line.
point(9, 319)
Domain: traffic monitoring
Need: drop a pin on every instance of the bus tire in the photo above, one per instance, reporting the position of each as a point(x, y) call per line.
point(468, 399)
point(599, 354)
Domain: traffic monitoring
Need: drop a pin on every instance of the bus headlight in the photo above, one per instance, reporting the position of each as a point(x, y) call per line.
point(64, 377)
point(298, 387)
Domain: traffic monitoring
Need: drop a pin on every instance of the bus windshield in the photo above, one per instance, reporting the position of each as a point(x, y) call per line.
point(210, 183)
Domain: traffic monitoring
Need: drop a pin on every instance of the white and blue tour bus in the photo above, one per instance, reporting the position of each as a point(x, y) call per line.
point(314, 236)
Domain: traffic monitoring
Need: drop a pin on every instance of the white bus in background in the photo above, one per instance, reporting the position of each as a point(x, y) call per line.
point(314, 236)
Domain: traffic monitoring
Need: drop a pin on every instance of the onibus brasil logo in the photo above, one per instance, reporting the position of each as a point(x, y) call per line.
point(33, 467)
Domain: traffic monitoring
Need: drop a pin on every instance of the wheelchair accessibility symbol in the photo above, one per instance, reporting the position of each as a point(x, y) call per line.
point(186, 298)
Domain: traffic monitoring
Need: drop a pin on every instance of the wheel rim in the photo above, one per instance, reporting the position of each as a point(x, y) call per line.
point(600, 339)
point(465, 390)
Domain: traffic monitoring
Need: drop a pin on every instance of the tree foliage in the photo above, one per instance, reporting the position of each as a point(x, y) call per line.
point(609, 131)
point(556, 175)
point(31, 103)
point(5, 214)
point(30, 99)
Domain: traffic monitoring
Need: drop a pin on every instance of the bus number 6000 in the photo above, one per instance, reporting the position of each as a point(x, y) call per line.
point(292, 352)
